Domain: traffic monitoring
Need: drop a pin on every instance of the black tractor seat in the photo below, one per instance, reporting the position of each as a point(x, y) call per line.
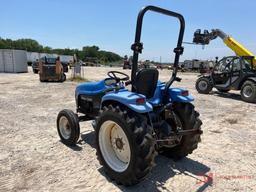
point(146, 82)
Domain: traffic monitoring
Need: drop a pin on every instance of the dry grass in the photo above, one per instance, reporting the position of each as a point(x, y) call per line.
point(78, 79)
point(232, 121)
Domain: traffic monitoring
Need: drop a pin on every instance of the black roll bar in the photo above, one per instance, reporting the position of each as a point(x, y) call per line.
point(138, 46)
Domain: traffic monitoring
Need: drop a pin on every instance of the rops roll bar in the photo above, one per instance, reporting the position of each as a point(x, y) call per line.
point(138, 46)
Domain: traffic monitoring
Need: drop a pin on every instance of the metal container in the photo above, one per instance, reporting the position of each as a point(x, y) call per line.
point(32, 56)
point(66, 58)
point(13, 61)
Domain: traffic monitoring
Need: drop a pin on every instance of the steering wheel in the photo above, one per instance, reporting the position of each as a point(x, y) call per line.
point(113, 75)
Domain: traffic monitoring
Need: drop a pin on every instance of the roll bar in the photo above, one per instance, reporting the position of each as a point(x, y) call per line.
point(138, 46)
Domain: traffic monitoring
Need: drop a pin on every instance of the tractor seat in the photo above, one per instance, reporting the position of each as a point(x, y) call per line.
point(146, 82)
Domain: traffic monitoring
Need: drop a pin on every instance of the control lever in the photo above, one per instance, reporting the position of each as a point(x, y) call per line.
point(128, 82)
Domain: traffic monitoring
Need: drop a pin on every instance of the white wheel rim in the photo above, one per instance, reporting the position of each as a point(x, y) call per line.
point(64, 127)
point(114, 146)
point(247, 91)
point(202, 85)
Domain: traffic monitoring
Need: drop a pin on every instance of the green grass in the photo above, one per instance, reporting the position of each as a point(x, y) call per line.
point(78, 79)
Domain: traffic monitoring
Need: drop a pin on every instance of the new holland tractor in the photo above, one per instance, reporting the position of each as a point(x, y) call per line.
point(132, 126)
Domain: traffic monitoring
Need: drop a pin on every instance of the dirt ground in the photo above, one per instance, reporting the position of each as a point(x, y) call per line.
point(32, 158)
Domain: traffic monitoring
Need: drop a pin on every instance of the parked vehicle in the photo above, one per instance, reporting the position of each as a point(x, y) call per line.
point(206, 37)
point(35, 66)
point(127, 62)
point(51, 69)
point(231, 73)
point(131, 126)
point(65, 66)
point(126, 65)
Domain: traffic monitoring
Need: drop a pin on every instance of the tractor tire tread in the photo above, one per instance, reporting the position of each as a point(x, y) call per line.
point(74, 124)
point(190, 120)
point(251, 99)
point(209, 85)
point(143, 143)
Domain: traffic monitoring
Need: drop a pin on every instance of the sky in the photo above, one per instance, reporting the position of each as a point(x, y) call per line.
point(111, 25)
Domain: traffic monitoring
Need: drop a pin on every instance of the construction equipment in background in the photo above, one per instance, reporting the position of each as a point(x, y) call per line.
point(65, 66)
point(35, 66)
point(127, 62)
point(51, 69)
point(201, 66)
point(64, 59)
point(231, 73)
point(146, 64)
point(205, 38)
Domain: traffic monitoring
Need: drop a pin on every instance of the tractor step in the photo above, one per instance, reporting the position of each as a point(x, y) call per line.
point(84, 118)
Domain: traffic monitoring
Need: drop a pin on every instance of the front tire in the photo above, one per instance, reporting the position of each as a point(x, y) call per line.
point(189, 119)
point(63, 77)
point(203, 85)
point(68, 127)
point(125, 146)
point(248, 92)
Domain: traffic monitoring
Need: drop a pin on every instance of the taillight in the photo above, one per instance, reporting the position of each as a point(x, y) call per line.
point(184, 93)
point(140, 101)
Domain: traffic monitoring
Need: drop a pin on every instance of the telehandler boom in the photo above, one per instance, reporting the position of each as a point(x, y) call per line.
point(205, 38)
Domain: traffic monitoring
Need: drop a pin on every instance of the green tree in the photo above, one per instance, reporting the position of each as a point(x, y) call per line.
point(86, 52)
point(47, 49)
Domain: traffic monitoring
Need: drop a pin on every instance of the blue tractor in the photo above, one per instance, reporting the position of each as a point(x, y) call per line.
point(132, 126)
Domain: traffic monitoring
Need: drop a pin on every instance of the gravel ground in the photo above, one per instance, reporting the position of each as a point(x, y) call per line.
point(33, 159)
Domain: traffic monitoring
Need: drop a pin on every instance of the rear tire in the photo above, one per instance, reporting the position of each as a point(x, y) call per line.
point(137, 136)
point(68, 127)
point(203, 85)
point(190, 120)
point(248, 91)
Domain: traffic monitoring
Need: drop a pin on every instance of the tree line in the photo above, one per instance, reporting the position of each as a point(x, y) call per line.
point(86, 52)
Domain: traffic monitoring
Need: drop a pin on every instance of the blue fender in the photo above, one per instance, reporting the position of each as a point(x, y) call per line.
point(176, 95)
point(91, 88)
point(128, 99)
